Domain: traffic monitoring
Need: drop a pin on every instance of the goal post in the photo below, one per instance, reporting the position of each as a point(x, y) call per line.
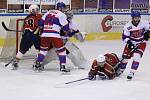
point(19, 26)
point(9, 47)
point(12, 42)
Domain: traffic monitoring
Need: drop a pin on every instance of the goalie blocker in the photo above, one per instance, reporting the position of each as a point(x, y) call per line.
point(74, 54)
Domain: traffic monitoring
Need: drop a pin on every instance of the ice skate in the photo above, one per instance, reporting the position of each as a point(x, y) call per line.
point(15, 65)
point(130, 75)
point(63, 69)
point(119, 72)
point(38, 67)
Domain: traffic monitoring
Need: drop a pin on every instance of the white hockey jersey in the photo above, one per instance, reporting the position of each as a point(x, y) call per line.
point(135, 33)
point(73, 25)
point(53, 21)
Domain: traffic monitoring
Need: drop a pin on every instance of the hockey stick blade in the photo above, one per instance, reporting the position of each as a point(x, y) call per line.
point(7, 29)
point(9, 62)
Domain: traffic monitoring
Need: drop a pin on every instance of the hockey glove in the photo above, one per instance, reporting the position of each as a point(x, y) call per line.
point(92, 75)
point(36, 32)
point(71, 33)
point(130, 44)
point(65, 39)
point(146, 36)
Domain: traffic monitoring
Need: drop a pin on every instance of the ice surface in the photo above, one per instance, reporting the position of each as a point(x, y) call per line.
point(25, 84)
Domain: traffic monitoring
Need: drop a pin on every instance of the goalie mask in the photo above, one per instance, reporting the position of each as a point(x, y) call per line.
point(69, 15)
point(33, 9)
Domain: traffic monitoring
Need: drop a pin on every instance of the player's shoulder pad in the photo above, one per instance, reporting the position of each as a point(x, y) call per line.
point(128, 26)
point(112, 56)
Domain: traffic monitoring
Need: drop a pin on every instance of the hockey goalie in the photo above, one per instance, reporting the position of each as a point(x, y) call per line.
point(72, 50)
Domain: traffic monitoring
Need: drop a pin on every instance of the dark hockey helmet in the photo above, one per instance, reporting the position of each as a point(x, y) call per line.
point(60, 5)
point(135, 14)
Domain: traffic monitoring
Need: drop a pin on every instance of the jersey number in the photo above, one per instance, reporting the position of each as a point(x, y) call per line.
point(50, 19)
point(136, 34)
point(30, 22)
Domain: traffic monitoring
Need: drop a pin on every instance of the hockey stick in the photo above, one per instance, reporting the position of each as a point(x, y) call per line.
point(76, 80)
point(7, 29)
point(117, 66)
point(9, 62)
point(70, 84)
point(134, 49)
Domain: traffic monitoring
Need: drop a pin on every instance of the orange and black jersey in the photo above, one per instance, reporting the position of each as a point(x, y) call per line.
point(108, 68)
point(31, 22)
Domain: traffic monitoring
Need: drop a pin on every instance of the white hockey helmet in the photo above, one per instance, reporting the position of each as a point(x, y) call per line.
point(34, 9)
point(100, 58)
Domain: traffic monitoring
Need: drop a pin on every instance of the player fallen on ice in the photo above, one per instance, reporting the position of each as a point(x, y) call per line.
point(104, 67)
point(30, 36)
point(135, 32)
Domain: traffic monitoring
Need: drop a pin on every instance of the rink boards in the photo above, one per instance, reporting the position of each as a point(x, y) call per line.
point(99, 26)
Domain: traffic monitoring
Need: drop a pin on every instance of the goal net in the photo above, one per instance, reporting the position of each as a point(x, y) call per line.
point(12, 42)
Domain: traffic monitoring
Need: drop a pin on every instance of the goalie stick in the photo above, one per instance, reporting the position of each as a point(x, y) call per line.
point(7, 29)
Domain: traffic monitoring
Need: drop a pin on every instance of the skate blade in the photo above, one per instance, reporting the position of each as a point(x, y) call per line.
point(37, 70)
point(129, 79)
point(65, 73)
point(14, 68)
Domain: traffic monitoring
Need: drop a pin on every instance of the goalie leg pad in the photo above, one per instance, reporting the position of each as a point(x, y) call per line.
point(76, 56)
point(51, 55)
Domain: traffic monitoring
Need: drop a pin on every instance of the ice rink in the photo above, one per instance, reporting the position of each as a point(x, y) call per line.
point(25, 84)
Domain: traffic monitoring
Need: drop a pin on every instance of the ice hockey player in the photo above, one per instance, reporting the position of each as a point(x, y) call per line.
point(104, 67)
point(134, 35)
point(52, 22)
point(72, 50)
point(31, 34)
